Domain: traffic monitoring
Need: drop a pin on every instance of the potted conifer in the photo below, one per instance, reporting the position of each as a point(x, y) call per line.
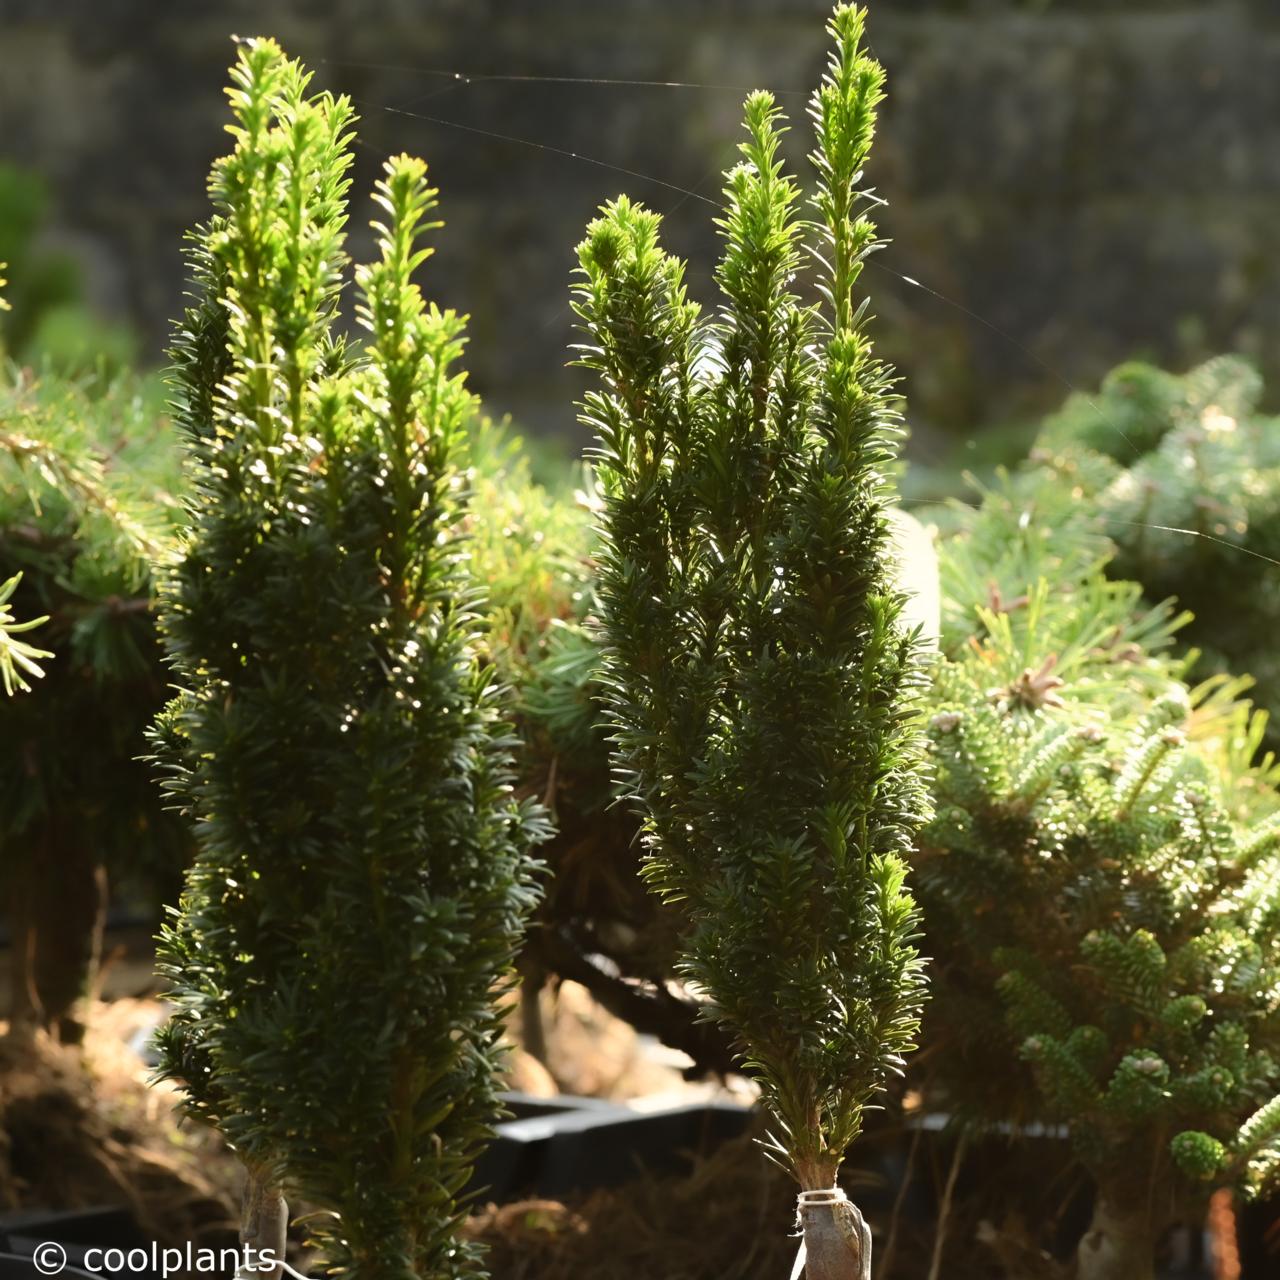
point(363, 871)
point(1099, 881)
point(758, 680)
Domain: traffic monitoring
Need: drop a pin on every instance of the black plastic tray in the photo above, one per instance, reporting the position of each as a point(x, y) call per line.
point(554, 1146)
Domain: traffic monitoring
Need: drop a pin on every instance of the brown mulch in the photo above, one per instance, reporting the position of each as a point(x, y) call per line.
point(82, 1128)
point(729, 1220)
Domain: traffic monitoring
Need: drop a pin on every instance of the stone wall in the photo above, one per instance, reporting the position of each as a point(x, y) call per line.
point(1093, 179)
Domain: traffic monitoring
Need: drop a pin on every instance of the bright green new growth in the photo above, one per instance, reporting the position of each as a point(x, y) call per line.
point(759, 685)
point(18, 659)
point(363, 874)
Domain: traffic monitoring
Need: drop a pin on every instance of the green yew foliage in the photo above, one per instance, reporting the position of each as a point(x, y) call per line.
point(1100, 880)
point(533, 547)
point(759, 687)
point(363, 875)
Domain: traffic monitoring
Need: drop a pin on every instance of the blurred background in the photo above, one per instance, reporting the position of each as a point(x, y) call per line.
point(1083, 181)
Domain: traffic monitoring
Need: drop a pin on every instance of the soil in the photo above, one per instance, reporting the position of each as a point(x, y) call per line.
point(81, 1128)
point(730, 1220)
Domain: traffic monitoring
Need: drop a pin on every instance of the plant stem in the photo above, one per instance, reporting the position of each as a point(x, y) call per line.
point(1120, 1242)
point(888, 1254)
point(264, 1217)
point(944, 1210)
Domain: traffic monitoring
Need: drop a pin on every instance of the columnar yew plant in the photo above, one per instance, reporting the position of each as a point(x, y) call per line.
point(758, 680)
point(363, 871)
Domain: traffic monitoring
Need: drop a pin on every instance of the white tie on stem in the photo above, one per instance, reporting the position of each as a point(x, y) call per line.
point(835, 1241)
